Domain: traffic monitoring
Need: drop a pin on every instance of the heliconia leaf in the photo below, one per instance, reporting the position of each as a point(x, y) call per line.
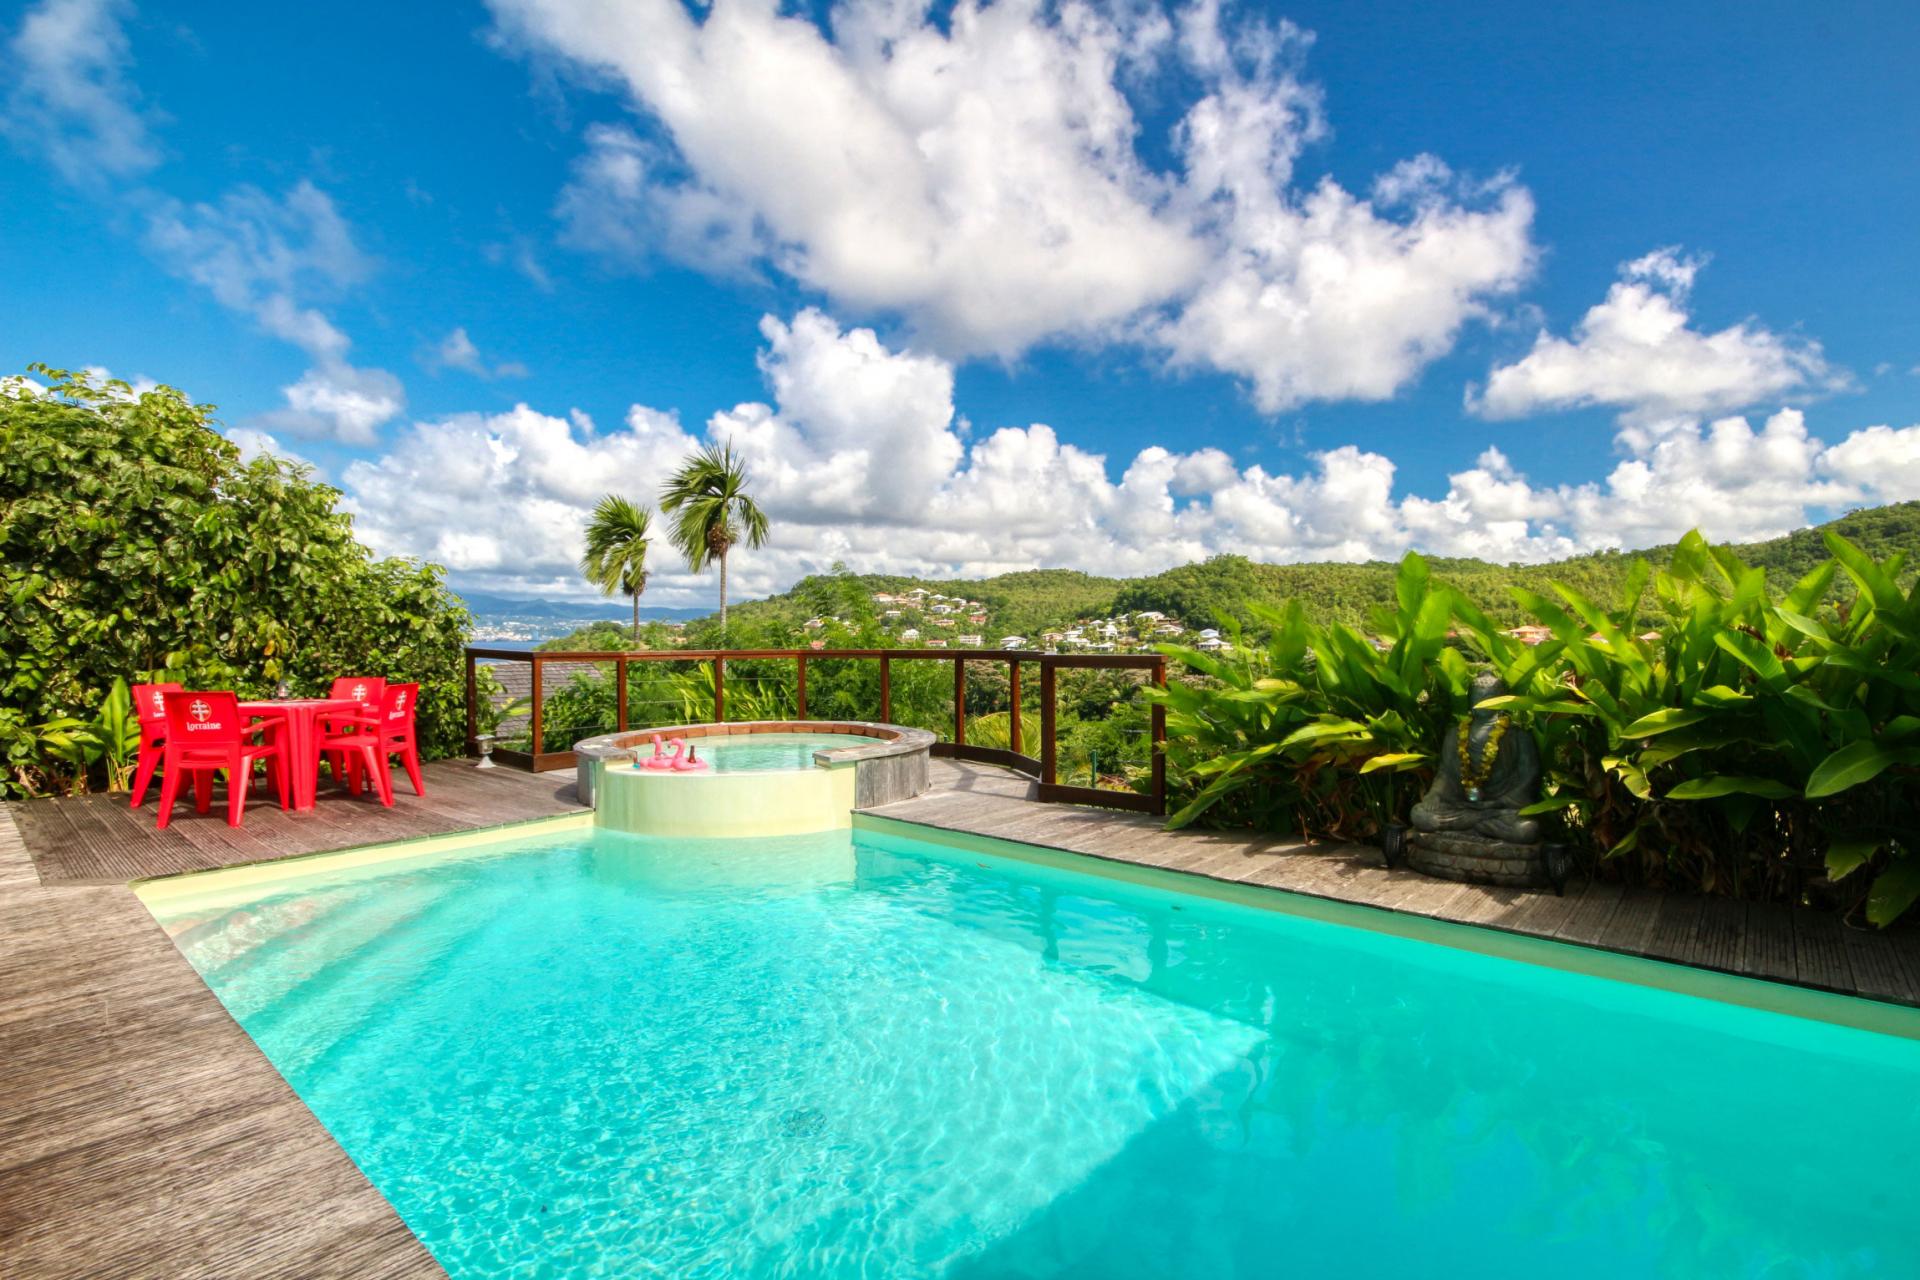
point(1552, 804)
point(1804, 625)
point(1711, 788)
point(1720, 695)
point(1844, 857)
point(1320, 730)
point(1812, 589)
point(1851, 765)
point(1894, 890)
point(1395, 760)
point(1631, 776)
point(1752, 653)
point(1664, 720)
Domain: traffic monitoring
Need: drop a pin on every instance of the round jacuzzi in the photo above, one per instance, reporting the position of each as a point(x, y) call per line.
point(766, 777)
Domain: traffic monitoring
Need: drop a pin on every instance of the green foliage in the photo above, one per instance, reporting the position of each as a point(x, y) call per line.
point(134, 540)
point(1323, 730)
point(1748, 741)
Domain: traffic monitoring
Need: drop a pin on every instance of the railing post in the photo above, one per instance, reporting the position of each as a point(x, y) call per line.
point(1049, 751)
point(800, 669)
point(719, 689)
point(886, 689)
point(959, 702)
point(620, 695)
point(534, 724)
point(1159, 719)
point(1013, 689)
point(473, 707)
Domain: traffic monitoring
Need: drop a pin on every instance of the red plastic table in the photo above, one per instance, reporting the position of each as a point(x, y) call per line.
point(300, 738)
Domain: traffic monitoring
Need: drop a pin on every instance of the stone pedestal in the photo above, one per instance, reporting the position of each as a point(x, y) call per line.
point(1477, 860)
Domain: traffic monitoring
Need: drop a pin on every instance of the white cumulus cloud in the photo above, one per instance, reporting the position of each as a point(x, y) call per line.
point(987, 177)
point(1637, 351)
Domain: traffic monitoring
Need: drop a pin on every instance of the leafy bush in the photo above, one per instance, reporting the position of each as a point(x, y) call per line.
point(134, 541)
point(1739, 744)
point(1324, 730)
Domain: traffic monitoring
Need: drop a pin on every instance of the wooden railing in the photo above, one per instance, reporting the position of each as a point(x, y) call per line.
point(1044, 768)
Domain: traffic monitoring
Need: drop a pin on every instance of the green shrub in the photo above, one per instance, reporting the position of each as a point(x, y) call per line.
point(134, 541)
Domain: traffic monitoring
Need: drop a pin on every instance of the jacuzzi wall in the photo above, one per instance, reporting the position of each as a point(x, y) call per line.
point(768, 803)
point(862, 776)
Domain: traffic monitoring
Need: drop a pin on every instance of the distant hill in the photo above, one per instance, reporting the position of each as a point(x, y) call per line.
point(1222, 587)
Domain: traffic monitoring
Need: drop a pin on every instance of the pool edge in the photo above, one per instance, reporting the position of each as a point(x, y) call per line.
point(1859, 1012)
point(172, 889)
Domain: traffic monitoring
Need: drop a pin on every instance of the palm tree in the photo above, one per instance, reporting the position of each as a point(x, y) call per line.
point(712, 511)
point(616, 556)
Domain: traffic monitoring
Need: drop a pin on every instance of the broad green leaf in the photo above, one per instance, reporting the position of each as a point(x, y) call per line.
point(1396, 760)
point(1844, 857)
point(1664, 721)
point(1894, 890)
point(1553, 804)
point(1851, 765)
point(1710, 788)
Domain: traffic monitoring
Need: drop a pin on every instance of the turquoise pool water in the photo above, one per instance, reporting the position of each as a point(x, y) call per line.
point(757, 752)
point(835, 1056)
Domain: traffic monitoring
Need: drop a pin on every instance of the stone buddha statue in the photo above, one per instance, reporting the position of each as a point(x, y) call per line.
point(1469, 825)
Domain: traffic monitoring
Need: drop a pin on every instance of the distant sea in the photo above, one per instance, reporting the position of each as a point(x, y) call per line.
point(518, 646)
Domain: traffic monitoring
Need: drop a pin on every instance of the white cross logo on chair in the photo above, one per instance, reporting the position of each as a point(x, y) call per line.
point(159, 701)
point(400, 700)
point(359, 693)
point(199, 710)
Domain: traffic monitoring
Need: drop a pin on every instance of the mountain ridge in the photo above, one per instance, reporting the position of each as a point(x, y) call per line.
point(1220, 588)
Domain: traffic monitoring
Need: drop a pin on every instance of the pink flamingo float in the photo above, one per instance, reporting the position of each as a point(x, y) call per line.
point(673, 760)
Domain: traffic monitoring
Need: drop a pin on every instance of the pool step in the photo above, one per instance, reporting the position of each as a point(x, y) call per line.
point(346, 998)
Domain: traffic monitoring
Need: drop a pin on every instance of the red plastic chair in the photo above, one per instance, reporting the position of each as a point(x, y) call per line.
point(367, 691)
point(352, 744)
point(150, 704)
point(205, 732)
point(396, 731)
point(362, 689)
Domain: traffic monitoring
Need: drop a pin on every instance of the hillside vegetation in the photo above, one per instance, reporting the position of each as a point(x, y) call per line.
point(1227, 586)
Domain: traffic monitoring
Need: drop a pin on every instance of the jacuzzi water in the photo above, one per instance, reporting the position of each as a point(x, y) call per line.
point(758, 752)
point(834, 1056)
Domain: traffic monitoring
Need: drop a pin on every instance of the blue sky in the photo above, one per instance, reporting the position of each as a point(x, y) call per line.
point(999, 287)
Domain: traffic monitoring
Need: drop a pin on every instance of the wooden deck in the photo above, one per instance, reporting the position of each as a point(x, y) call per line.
point(99, 840)
point(1757, 940)
point(142, 1133)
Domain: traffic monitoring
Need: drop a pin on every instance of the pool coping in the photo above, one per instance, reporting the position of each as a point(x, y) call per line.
point(1859, 1012)
point(877, 782)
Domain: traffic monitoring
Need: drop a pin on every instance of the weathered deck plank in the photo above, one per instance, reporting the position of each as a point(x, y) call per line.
point(141, 1131)
point(98, 839)
point(1770, 941)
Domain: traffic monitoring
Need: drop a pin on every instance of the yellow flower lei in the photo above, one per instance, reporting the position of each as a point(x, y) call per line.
point(1475, 772)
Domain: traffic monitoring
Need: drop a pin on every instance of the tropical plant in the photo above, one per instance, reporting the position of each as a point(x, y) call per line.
point(616, 556)
point(712, 511)
point(1324, 729)
point(1742, 743)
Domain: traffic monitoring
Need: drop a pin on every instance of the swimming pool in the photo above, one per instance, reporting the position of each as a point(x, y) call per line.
point(862, 1055)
